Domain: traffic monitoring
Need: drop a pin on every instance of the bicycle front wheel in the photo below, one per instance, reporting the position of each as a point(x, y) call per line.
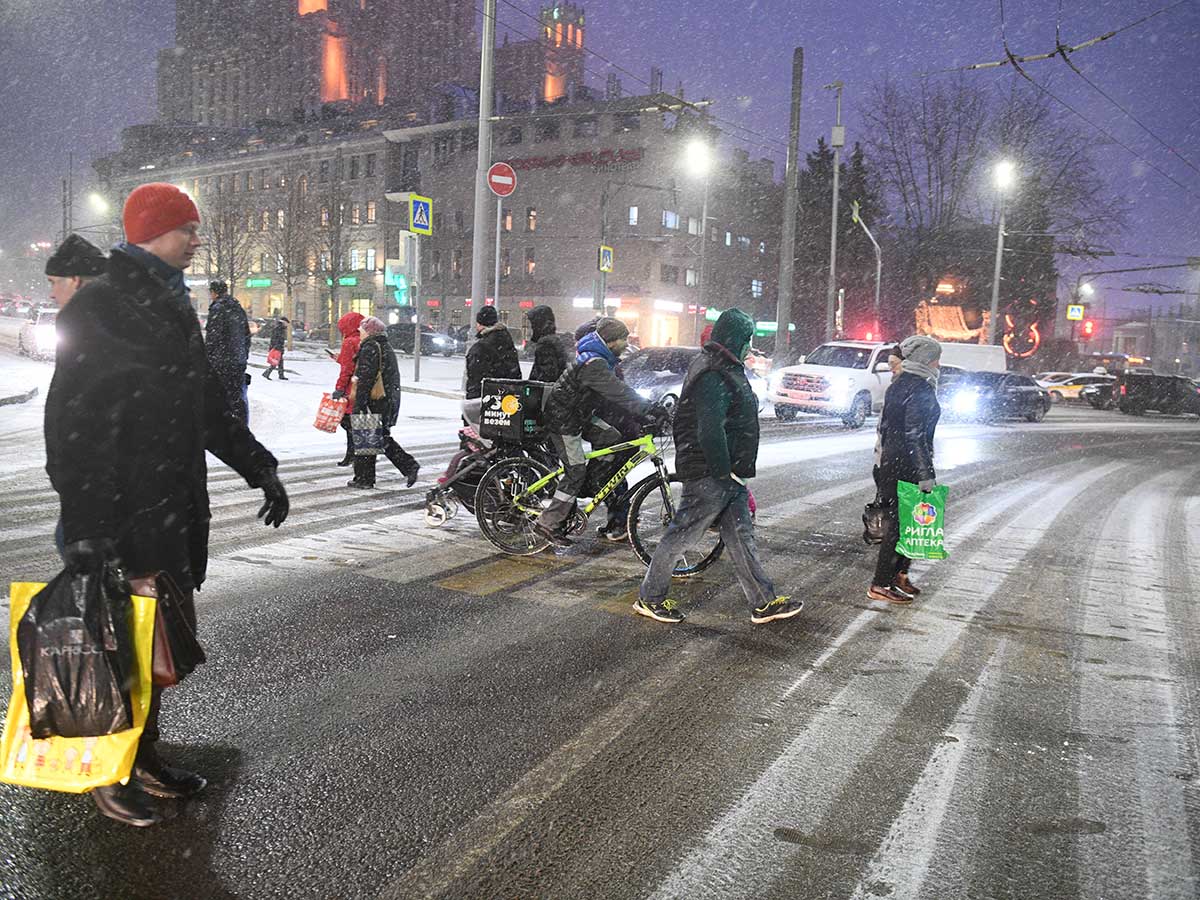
point(651, 511)
point(505, 511)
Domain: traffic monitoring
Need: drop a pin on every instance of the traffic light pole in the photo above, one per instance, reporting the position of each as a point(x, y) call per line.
point(483, 158)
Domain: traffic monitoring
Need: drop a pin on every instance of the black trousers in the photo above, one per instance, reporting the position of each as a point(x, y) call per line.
point(890, 563)
point(364, 466)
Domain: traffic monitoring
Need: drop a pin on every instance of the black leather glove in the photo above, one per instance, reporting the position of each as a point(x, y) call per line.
point(249, 381)
point(275, 506)
point(89, 555)
point(337, 395)
point(927, 485)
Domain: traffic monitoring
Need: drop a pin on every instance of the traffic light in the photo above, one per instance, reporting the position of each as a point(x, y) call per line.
point(1088, 329)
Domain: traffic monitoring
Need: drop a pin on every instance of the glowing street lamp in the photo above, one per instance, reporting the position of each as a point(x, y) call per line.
point(698, 160)
point(1005, 176)
point(98, 204)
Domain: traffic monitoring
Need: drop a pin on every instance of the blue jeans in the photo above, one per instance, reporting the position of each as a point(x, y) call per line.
point(704, 502)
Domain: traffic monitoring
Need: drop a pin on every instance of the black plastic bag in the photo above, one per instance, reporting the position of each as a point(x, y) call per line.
point(76, 654)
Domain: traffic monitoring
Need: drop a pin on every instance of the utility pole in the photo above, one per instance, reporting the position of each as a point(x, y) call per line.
point(483, 158)
point(995, 314)
point(791, 192)
point(601, 280)
point(854, 214)
point(838, 141)
point(698, 327)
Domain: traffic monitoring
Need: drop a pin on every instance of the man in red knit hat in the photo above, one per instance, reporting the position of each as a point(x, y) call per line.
point(131, 410)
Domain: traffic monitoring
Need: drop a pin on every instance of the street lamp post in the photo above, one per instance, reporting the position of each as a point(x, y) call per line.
point(698, 159)
point(1005, 174)
point(838, 140)
point(854, 214)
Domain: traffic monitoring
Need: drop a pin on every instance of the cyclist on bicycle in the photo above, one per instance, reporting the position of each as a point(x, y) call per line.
point(716, 449)
point(573, 414)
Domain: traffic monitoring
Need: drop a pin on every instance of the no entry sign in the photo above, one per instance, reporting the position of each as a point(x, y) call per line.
point(502, 179)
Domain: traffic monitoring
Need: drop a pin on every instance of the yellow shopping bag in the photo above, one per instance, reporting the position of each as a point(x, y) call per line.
point(74, 765)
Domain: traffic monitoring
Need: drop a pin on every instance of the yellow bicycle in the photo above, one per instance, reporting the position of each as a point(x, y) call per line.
point(515, 491)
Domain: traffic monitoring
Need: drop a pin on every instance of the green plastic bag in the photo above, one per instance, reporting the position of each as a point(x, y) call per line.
point(922, 521)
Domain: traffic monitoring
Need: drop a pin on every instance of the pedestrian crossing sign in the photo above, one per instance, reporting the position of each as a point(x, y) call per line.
point(1075, 312)
point(605, 262)
point(420, 214)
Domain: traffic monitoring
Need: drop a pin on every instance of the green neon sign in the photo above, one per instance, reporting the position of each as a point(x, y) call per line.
point(711, 315)
point(344, 281)
point(258, 282)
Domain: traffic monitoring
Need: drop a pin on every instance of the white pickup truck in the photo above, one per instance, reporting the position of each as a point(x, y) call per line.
point(846, 379)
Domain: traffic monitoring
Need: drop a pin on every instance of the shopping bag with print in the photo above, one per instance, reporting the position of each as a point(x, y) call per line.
point(366, 432)
point(922, 521)
point(330, 413)
point(74, 764)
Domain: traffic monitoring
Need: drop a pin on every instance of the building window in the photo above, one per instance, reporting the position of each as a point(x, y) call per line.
point(587, 127)
point(266, 220)
point(264, 180)
point(195, 187)
point(691, 277)
point(279, 263)
point(743, 242)
point(456, 266)
point(762, 248)
point(324, 216)
point(443, 149)
point(713, 234)
point(530, 262)
point(323, 261)
point(355, 214)
point(531, 219)
point(263, 262)
point(546, 130)
point(728, 239)
point(670, 274)
point(279, 218)
point(252, 221)
point(354, 168)
point(371, 212)
point(234, 183)
point(506, 220)
point(670, 219)
point(505, 263)
point(756, 288)
point(511, 136)
point(355, 259)
point(628, 122)
point(303, 184)
point(370, 165)
point(371, 258)
point(693, 225)
point(633, 215)
point(435, 265)
point(283, 180)
point(323, 171)
point(460, 222)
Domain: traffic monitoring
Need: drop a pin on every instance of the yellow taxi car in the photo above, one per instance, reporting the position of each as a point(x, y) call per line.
point(1069, 389)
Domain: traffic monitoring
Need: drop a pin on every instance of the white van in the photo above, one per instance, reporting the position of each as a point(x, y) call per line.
point(975, 357)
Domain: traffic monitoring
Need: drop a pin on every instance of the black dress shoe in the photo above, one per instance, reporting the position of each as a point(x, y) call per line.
point(126, 804)
point(168, 782)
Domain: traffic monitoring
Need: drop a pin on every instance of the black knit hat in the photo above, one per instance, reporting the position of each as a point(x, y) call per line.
point(487, 317)
point(76, 257)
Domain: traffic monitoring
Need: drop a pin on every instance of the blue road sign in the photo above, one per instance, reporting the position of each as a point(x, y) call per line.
point(420, 214)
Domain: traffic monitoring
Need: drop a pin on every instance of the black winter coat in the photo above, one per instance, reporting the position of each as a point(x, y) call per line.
point(131, 409)
point(375, 357)
point(552, 352)
point(279, 336)
point(493, 355)
point(907, 423)
point(716, 423)
point(227, 340)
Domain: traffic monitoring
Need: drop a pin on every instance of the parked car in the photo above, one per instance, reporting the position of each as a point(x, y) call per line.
point(657, 373)
point(988, 396)
point(1070, 388)
point(38, 336)
point(1098, 396)
point(1137, 393)
point(320, 333)
point(400, 336)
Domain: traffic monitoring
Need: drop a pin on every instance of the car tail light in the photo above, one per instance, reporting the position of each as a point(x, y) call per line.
point(1122, 390)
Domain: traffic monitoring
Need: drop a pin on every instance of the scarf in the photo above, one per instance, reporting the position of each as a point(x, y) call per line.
point(927, 373)
point(168, 273)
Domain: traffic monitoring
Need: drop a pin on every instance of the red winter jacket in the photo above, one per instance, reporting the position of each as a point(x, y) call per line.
point(348, 326)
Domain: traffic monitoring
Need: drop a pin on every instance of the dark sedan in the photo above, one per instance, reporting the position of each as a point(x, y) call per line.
point(988, 396)
point(657, 373)
point(400, 336)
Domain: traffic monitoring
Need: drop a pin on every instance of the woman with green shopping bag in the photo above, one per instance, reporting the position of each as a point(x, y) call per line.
point(910, 415)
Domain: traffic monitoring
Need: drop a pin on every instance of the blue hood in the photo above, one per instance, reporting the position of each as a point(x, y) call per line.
point(592, 347)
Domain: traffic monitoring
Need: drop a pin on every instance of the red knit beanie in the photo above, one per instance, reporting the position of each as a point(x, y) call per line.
point(154, 209)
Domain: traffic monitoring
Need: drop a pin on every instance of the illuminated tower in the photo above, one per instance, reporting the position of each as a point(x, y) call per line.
point(548, 68)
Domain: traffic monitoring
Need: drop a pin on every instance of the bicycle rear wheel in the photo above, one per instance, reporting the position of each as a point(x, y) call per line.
point(502, 521)
point(650, 512)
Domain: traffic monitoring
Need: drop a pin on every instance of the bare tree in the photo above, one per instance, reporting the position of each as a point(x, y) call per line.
point(228, 234)
point(293, 238)
point(334, 235)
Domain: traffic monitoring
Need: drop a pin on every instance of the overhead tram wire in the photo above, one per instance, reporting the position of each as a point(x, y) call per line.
point(781, 144)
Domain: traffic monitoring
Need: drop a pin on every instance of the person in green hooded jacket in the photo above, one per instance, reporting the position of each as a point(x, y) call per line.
point(716, 448)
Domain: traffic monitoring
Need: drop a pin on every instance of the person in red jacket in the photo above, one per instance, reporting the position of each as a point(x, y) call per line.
point(348, 326)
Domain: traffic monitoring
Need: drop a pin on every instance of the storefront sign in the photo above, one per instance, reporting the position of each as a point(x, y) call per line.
point(596, 158)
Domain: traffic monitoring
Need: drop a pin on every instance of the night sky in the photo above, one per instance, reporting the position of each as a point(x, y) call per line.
point(73, 72)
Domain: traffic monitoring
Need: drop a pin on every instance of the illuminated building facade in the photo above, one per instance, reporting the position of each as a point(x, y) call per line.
point(237, 64)
point(548, 68)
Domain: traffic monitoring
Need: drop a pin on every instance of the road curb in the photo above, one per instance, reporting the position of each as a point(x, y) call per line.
point(19, 398)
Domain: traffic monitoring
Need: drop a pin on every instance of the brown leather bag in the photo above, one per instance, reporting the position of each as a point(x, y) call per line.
point(176, 650)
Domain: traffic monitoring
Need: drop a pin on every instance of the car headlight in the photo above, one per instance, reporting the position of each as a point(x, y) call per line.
point(440, 341)
point(645, 393)
point(46, 336)
point(965, 402)
point(774, 382)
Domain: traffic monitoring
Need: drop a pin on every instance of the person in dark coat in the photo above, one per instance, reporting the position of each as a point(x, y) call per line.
point(377, 364)
point(348, 326)
point(278, 343)
point(905, 453)
point(553, 350)
point(716, 451)
point(493, 355)
point(227, 340)
point(132, 408)
point(588, 390)
point(76, 262)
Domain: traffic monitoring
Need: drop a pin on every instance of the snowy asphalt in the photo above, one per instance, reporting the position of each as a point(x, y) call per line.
point(397, 711)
